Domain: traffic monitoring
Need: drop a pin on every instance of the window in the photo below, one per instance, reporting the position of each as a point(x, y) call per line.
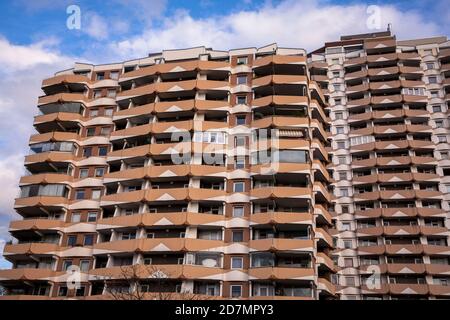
point(239, 141)
point(240, 120)
point(66, 265)
point(62, 292)
point(237, 263)
point(209, 137)
point(99, 172)
point(92, 216)
point(430, 65)
point(339, 130)
point(414, 91)
point(341, 144)
point(342, 160)
point(444, 155)
point(241, 99)
point(434, 94)
point(337, 87)
point(84, 265)
point(342, 176)
point(339, 115)
point(102, 151)
point(235, 291)
point(336, 60)
point(87, 151)
point(345, 209)
point(242, 79)
point(442, 139)
point(346, 226)
point(239, 163)
point(93, 112)
point(437, 108)
point(439, 123)
point(97, 94)
point(96, 194)
point(238, 186)
point(349, 281)
point(76, 217)
point(90, 132)
point(237, 236)
point(109, 112)
point(88, 240)
point(354, 141)
point(432, 79)
point(242, 60)
point(84, 173)
point(128, 236)
point(100, 76)
point(114, 75)
point(347, 244)
point(71, 240)
point(79, 194)
point(336, 74)
point(238, 211)
point(105, 131)
point(348, 262)
point(80, 291)
point(111, 93)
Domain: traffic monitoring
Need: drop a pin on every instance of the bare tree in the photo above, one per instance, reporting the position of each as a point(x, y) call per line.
point(3, 291)
point(130, 285)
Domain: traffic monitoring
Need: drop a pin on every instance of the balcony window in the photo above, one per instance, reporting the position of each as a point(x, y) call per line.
point(97, 94)
point(71, 240)
point(114, 75)
point(80, 194)
point(109, 112)
point(87, 152)
point(100, 75)
point(348, 262)
point(66, 265)
point(206, 259)
point(102, 151)
point(238, 211)
point(62, 292)
point(93, 112)
point(105, 131)
point(92, 216)
point(239, 141)
point(99, 172)
point(241, 79)
point(111, 93)
point(209, 137)
point(339, 130)
point(84, 173)
point(52, 146)
point(90, 132)
point(239, 163)
point(238, 186)
point(442, 139)
point(439, 123)
point(240, 120)
point(414, 91)
point(237, 236)
point(344, 192)
point(52, 190)
point(432, 79)
point(242, 60)
point(342, 160)
point(434, 94)
point(235, 291)
point(241, 99)
point(210, 234)
point(88, 240)
point(347, 244)
point(76, 217)
point(128, 235)
point(437, 108)
point(339, 115)
point(237, 262)
point(96, 194)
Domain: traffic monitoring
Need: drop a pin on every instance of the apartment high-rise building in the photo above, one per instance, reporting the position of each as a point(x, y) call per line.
point(263, 173)
point(389, 102)
point(202, 172)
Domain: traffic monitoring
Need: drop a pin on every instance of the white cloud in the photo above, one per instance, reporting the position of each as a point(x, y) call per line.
point(95, 26)
point(22, 69)
point(306, 24)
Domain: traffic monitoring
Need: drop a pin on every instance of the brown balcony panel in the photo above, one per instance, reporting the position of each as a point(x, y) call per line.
point(409, 289)
point(281, 245)
point(280, 273)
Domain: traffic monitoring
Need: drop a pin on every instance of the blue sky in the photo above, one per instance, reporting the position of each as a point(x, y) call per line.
point(35, 43)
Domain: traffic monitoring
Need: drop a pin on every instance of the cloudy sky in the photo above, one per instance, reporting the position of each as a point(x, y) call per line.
point(35, 42)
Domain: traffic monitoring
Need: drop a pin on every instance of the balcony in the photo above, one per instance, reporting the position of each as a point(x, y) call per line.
point(161, 219)
point(279, 79)
point(281, 245)
point(406, 288)
point(28, 274)
point(269, 218)
point(279, 59)
point(63, 97)
point(281, 273)
point(439, 290)
point(280, 100)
